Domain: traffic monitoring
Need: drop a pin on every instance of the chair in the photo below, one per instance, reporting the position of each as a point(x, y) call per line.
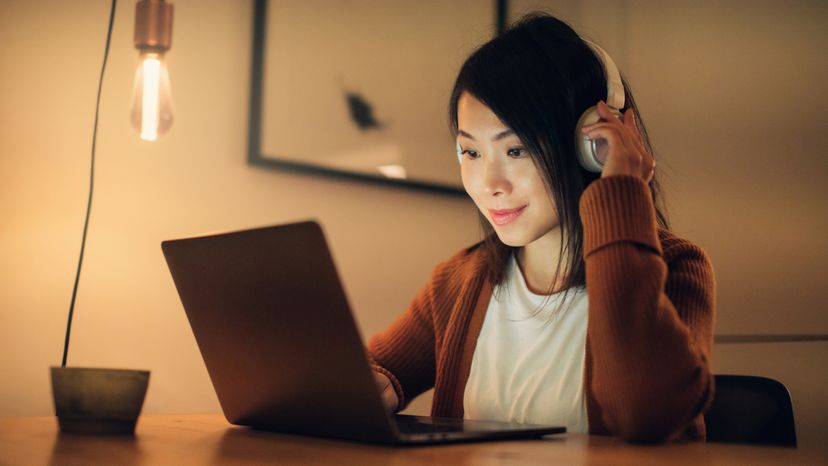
point(749, 409)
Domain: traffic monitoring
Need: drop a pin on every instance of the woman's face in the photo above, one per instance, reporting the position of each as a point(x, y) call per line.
point(500, 176)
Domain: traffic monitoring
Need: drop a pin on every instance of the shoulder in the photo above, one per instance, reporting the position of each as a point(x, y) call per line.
point(461, 275)
point(467, 262)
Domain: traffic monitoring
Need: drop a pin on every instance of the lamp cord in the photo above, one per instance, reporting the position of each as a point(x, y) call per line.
point(91, 184)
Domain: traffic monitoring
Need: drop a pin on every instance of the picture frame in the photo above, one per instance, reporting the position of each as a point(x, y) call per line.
point(359, 89)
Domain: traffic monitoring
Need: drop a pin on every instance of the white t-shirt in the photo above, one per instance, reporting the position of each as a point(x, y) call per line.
point(528, 365)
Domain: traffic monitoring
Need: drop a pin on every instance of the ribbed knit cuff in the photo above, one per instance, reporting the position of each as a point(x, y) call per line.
point(618, 209)
point(401, 402)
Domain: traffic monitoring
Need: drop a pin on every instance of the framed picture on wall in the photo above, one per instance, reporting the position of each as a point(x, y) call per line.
point(360, 88)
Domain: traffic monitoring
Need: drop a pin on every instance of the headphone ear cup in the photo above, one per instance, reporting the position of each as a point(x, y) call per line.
point(585, 146)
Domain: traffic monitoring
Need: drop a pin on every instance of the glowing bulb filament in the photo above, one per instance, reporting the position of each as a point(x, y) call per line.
point(149, 97)
point(152, 100)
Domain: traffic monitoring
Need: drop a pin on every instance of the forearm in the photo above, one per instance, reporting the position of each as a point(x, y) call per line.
point(651, 371)
point(405, 351)
point(650, 318)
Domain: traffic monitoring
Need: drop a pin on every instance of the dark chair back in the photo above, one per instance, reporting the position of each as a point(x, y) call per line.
point(750, 409)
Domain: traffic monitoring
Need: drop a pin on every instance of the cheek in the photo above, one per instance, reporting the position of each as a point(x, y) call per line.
point(550, 213)
point(528, 180)
point(471, 183)
point(533, 185)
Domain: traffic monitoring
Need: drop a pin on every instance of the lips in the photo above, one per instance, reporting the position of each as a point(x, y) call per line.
point(502, 217)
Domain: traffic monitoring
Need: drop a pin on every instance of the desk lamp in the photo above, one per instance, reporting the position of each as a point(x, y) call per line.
point(98, 401)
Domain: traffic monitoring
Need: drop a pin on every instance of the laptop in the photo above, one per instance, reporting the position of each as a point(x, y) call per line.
point(273, 324)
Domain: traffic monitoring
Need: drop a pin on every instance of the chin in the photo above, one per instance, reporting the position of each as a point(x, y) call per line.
point(515, 241)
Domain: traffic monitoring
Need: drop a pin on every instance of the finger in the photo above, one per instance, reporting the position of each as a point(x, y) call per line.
point(622, 149)
point(615, 140)
point(389, 396)
point(633, 125)
point(651, 175)
point(601, 124)
point(625, 149)
point(623, 130)
point(605, 129)
point(382, 381)
point(629, 120)
point(389, 399)
point(606, 113)
point(638, 140)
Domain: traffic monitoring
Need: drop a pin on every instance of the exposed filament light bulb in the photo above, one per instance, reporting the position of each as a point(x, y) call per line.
point(152, 113)
point(151, 98)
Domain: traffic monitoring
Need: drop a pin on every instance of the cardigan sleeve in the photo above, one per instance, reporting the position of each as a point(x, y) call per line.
point(651, 313)
point(404, 352)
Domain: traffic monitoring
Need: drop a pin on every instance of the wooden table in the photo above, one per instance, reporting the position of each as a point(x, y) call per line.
point(208, 439)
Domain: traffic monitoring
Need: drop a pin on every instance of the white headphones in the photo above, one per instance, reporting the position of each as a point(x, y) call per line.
point(592, 152)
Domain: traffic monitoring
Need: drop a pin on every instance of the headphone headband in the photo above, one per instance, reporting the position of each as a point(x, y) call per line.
point(615, 87)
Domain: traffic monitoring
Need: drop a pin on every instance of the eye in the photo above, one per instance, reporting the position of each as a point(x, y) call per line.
point(470, 153)
point(517, 152)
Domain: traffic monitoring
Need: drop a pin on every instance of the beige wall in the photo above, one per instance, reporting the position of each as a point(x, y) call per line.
point(732, 94)
point(193, 180)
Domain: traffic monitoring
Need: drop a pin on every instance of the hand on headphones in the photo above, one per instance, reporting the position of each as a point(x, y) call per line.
point(626, 154)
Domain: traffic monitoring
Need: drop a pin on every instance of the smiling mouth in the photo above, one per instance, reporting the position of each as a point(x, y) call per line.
point(502, 217)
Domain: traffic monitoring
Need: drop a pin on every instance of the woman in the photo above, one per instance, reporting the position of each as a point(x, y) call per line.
point(580, 307)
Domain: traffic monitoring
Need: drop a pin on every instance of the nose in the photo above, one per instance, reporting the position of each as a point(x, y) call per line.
point(495, 178)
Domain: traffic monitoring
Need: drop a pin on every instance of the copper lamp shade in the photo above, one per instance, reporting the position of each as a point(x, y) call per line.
point(153, 25)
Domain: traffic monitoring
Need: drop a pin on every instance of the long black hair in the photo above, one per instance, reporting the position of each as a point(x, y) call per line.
point(538, 77)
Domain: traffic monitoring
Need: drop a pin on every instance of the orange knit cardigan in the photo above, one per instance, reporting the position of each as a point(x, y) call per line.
point(649, 334)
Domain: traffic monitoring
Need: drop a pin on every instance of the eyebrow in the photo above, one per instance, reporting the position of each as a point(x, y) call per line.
point(498, 136)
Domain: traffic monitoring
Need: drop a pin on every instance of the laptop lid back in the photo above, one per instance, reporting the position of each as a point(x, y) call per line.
point(266, 306)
